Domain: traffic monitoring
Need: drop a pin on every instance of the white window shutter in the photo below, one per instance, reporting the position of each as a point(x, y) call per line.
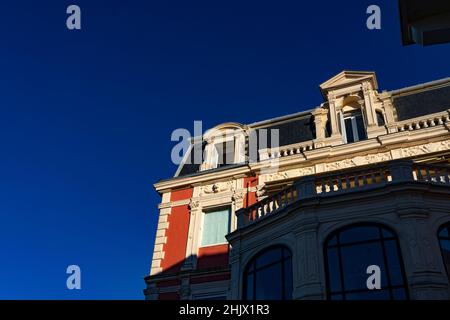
point(343, 131)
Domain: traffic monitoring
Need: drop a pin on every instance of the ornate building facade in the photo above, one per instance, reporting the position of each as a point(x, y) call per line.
point(362, 180)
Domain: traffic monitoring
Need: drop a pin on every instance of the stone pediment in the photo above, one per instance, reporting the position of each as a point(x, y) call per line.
point(348, 78)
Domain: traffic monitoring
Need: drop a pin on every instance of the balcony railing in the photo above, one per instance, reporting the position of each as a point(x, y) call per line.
point(428, 121)
point(346, 181)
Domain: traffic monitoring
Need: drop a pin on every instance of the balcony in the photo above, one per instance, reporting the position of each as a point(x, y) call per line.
point(344, 182)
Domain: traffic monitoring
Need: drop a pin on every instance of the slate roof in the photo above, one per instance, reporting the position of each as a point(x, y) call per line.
point(416, 104)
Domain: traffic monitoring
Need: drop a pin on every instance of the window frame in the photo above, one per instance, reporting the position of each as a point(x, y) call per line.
point(380, 239)
point(439, 237)
point(252, 264)
point(202, 227)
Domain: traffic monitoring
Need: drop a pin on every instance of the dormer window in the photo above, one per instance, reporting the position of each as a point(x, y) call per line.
point(225, 145)
point(223, 154)
point(353, 127)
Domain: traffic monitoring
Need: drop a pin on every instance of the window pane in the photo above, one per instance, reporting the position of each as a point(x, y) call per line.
point(271, 277)
point(361, 247)
point(332, 241)
point(356, 259)
point(445, 247)
point(249, 288)
point(269, 283)
point(215, 227)
point(387, 234)
point(287, 279)
point(271, 256)
point(349, 130)
point(360, 127)
point(444, 233)
point(392, 255)
point(369, 295)
point(399, 294)
point(380, 119)
point(359, 234)
point(334, 270)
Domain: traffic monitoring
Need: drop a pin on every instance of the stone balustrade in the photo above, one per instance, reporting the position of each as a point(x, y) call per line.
point(345, 181)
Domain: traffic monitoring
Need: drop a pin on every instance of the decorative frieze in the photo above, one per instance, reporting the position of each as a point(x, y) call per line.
point(426, 148)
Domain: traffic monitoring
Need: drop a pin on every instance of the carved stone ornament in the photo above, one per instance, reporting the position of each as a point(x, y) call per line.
point(194, 204)
point(260, 190)
point(358, 161)
point(426, 148)
point(216, 188)
point(238, 196)
point(290, 174)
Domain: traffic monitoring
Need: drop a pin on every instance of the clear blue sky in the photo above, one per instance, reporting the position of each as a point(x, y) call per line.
point(86, 116)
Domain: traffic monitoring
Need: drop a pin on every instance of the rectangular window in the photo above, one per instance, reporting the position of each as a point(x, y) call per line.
point(216, 224)
point(354, 128)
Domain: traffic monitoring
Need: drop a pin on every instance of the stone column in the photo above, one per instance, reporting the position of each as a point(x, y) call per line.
point(191, 246)
point(336, 136)
point(420, 249)
point(308, 283)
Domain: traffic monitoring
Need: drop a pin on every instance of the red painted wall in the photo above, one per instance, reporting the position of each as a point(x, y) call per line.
point(212, 256)
point(177, 233)
point(250, 198)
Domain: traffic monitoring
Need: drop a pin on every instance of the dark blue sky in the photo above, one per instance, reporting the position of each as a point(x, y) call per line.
point(86, 116)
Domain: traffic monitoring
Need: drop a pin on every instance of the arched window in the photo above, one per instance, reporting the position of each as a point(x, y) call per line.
point(268, 276)
point(348, 254)
point(444, 242)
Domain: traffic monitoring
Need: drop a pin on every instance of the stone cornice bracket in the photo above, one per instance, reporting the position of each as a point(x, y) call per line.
point(412, 209)
point(194, 204)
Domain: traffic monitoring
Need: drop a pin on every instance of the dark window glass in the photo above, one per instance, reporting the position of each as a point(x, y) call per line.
point(380, 118)
point(354, 127)
point(359, 234)
point(360, 128)
point(268, 276)
point(444, 241)
point(335, 270)
point(369, 295)
point(355, 260)
point(271, 256)
point(225, 151)
point(269, 283)
point(348, 254)
point(349, 130)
